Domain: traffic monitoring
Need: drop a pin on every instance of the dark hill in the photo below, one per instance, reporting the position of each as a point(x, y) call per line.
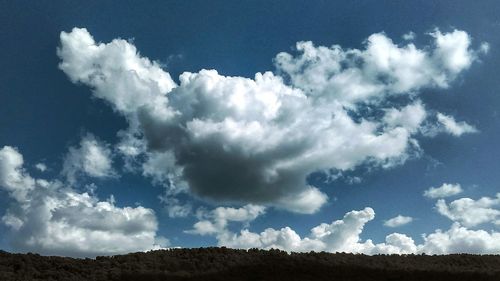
point(251, 265)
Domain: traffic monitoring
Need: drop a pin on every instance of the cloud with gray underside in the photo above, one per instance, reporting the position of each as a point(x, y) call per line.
point(255, 140)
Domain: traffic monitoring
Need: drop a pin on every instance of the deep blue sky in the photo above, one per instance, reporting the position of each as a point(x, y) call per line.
point(42, 113)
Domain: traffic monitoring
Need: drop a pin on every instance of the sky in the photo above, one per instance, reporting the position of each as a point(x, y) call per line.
point(356, 126)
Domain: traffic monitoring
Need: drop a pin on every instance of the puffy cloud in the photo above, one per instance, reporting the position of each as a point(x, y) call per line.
point(409, 36)
point(77, 224)
point(344, 236)
point(459, 239)
point(398, 220)
point(243, 140)
point(340, 235)
point(203, 227)
point(308, 201)
point(471, 212)
point(13, 177)
point(452, 50)
point(92, 158)
point(484, 48)
point(445, 190)
point(409, 117)
point(41, 167)
point(395, 243)
point(383, 68)
point(244, 214)
point(47, 217)
point(217, 220)
point(453, 127)
point(175, 208)
point(115, 71)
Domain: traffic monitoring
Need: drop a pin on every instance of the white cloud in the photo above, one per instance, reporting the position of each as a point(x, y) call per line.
point(48, 218)
point(218, 219)
point(344, 236)
point(395, 243)
point(341, 235)
point(41, 167)
point(484, 48)
point(92, 158)
point(174, 207)
point(241, 140)
point(398, 220)
point(459, 239)
point(409, 36)
point(452, 50)
point(471, 212)
point(13, 177)
point(445, 190)
point(115, 70)
point(409, 117)
point(307, 202)
point(453, 127)
point(387, 68)
point(203, 227)
point(244, 214)
point(131, 147)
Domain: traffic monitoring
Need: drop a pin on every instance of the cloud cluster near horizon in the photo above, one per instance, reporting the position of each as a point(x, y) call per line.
point(344, 235)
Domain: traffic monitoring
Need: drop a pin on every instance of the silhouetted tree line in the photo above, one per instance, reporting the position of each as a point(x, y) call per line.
point(252, 265)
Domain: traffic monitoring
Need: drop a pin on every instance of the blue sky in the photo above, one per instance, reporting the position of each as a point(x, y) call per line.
point(355, 133)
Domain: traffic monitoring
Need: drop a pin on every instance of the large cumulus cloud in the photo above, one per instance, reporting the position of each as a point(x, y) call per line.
point(255, 140)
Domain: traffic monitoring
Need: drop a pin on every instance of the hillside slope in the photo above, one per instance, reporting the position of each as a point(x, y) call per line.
point(230, 264)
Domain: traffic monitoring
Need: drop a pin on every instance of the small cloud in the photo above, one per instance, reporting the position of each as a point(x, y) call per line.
point(216, 221)
point(41, 167)
point(399, 220)
point(484, 48)
point(453, 127)
point(92, 158)
point(445, 190)
point(409, 36)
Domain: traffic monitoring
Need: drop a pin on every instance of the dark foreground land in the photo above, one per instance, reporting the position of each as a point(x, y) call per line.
point(251, 265)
